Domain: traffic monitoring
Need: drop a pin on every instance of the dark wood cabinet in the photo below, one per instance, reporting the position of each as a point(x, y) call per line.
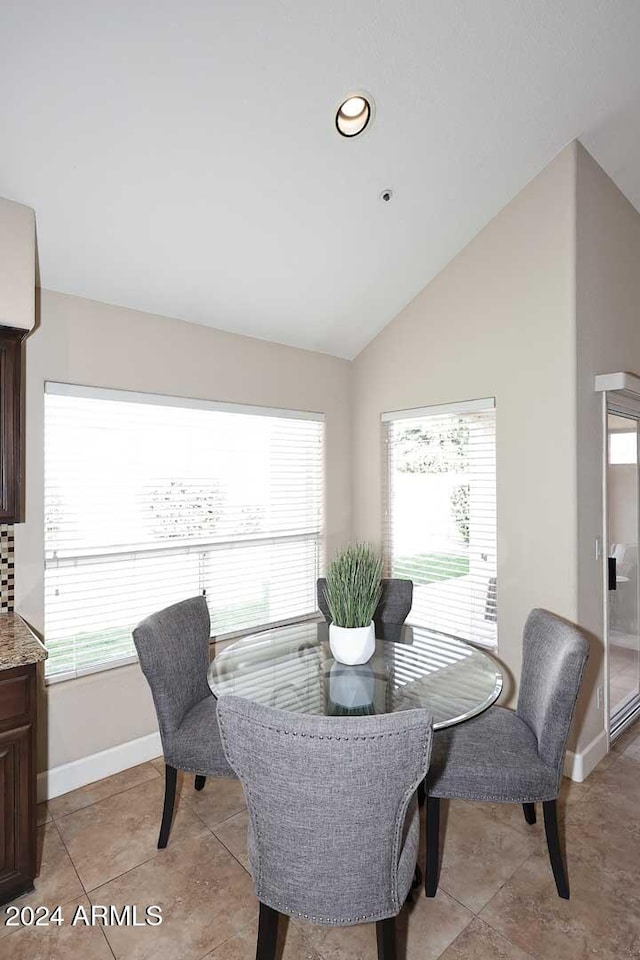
point(17, 781)
point(11, 424)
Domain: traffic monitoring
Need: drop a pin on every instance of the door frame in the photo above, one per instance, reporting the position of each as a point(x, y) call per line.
point(604, 558)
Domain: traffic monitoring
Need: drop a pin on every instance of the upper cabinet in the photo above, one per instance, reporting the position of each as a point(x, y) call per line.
point(17, 265)
point(17, 317)
point(11, 455)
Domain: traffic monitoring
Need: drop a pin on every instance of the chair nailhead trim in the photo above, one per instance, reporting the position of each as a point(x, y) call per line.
point(328, 736)
point(334, 920)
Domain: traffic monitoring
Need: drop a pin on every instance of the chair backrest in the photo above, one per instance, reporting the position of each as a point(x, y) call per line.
point(394, 604)
point(395, 601)
point(173, 647)
point(334, 827)
point(554, 656)
point(323, 606)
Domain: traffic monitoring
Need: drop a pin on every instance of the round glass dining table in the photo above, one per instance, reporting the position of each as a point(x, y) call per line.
point(291, 668)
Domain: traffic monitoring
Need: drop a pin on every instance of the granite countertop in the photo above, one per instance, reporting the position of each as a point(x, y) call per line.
point(18, 645)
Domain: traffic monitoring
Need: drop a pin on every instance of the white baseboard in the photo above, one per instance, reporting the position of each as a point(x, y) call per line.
point(69, 776)
point(578, 766)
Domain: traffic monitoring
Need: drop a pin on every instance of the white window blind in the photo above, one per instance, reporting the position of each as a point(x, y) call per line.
point(150, 500)
point(440, 517)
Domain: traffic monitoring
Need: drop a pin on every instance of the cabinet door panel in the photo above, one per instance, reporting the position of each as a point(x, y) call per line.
point(10, 425)
point(7, 805)
point(14, 698)
point(17, 848)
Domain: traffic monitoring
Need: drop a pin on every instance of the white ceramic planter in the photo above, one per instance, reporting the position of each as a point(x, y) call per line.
point(352, 645)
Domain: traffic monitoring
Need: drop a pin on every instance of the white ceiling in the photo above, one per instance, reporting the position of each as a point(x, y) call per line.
point(182, 159)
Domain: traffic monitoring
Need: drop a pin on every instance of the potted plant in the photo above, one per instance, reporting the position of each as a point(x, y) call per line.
point(352, 592)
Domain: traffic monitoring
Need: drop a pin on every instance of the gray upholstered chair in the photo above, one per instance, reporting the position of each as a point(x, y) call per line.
point(173, 647)
point(394, 605)
point(506, 756)
point(334, 826)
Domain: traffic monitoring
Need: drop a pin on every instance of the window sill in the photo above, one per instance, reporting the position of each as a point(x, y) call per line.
point(215, 643)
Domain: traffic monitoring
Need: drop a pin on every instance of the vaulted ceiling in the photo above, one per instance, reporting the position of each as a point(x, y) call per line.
point(182, 158)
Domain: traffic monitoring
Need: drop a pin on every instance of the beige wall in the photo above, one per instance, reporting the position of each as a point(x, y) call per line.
point(498, 321)
point(81, 341)
point(17, 265)
point(608, 340)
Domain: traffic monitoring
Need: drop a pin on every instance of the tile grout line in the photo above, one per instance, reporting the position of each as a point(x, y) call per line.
point(487, 920)
point(310, 946)
point(533, 956)
point(118, 793)
point(221, 944)
point(464, 929)
point(124, 873)
point(91, 893)
point(66, 849)
point(75, 870)
point(515, 833)
point(118, 876)
point(233, 856)
point(219, 839)
point(230, 852)
point(455, 900)
point(91, 890)
point(106, 939)
point(220, 822)
point(42, 827)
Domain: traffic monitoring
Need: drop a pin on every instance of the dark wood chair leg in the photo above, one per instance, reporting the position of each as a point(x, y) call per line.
point(433, 843)
point(550, 810)
point(200, 781)
point(529, 812)
point(170, 778)
point(386, 937)
point(267, 933)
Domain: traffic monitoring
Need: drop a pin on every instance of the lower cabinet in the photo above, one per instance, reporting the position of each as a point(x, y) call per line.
point(17, 781)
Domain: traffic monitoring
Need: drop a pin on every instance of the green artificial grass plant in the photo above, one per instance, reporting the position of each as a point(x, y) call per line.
point(354, 584)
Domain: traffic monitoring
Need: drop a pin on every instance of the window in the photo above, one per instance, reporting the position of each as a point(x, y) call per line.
point(441, 515)
point(623, 446)
point(150, 500)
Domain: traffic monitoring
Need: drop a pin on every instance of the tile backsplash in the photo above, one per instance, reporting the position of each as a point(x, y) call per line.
point(7, 567)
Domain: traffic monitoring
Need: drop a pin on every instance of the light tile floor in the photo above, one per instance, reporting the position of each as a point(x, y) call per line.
point(496, 899)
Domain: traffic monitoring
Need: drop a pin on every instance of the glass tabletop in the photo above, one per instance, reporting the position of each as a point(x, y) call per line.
point(291, 668)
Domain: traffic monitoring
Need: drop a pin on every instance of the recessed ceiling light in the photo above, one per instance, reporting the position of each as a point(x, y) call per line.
point(353, 115)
